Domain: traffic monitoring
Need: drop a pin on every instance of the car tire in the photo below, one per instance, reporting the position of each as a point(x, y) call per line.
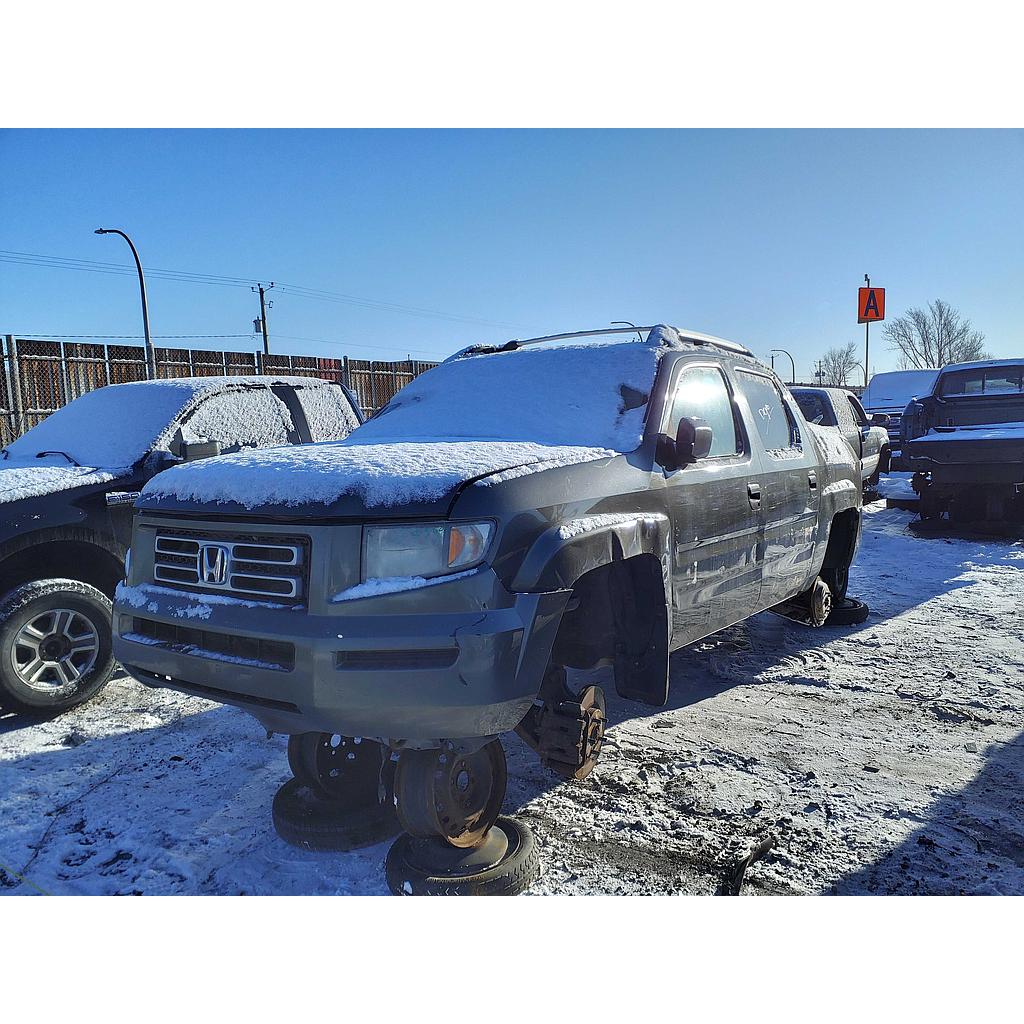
point(56, 650)
point(513, 875)
point(848, 612)
point(302, 818)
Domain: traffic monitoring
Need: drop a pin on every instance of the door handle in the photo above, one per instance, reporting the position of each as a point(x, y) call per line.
point(754, 495)
point(812, 480)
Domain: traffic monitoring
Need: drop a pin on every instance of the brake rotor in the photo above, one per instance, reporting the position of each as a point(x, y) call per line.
point(450, 793)
point(821, 602)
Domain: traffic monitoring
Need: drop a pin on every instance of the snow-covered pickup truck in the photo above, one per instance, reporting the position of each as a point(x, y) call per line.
point(885, 398)
point(964, 442)
point(66, 491)
point(841, 410)
point(513, 515)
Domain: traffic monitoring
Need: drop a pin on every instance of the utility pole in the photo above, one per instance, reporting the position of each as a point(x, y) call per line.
point(263, 314)
point(867, 328)
point(150, 353)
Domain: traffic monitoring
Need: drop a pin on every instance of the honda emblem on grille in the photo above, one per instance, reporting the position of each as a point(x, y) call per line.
point(213, 564)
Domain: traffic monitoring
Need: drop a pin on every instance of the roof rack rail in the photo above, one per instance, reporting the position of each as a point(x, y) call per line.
point(686, 336)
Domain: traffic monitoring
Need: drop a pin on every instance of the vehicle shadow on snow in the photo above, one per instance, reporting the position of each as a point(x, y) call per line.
point(970, 841)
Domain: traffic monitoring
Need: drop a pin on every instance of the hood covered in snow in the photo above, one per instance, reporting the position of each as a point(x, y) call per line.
point(346, 477)
point(21, 479)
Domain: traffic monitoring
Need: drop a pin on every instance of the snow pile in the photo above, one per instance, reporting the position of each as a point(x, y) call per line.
point(22, 480)
point(592, 395)
point(379, 474)
point(395, 585)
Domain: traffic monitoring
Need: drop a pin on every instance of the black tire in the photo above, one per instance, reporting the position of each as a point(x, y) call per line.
point(303, 819)
point(516, 872)
point(848, 612)
point(31, 603)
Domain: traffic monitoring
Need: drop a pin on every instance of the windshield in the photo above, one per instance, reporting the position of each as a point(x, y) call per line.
point(109, 428)
point(592, 395)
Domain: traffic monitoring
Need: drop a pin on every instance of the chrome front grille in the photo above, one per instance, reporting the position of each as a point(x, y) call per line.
point(271, 567)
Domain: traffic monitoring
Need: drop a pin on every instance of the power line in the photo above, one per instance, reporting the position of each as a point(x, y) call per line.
point(188, 277)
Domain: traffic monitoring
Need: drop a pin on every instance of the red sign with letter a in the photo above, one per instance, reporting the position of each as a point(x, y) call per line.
point(870, 304)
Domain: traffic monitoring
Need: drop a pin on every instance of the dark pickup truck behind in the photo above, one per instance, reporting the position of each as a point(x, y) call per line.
point(964, 443)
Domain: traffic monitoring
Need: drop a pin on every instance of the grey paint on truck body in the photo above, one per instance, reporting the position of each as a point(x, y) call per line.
point(466, 657)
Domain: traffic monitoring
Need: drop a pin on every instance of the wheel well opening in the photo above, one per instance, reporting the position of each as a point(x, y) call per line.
point(617, 614)
point(63, 559)
point(842, 537)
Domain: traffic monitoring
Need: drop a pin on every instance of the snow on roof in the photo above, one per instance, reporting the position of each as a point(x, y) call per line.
point(115, 426)
point(592, 395)
point(897, 388)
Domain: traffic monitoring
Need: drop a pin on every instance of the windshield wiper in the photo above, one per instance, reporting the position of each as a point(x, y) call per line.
point(74, 462)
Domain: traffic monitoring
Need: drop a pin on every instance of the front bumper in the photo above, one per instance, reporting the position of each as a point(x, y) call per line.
point(460, 659)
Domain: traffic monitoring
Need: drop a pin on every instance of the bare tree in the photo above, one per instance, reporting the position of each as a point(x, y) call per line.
point(837, 364)
point(934, 337)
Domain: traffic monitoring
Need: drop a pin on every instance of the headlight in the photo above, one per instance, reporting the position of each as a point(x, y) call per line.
point(431, 549)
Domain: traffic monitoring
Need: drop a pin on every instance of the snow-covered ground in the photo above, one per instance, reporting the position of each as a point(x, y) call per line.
point(887, 757)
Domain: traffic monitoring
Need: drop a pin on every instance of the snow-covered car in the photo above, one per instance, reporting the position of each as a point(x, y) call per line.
point(512, 516)
point(885, 398)
point(841, 410)
point(964, 442)
point(66, 490)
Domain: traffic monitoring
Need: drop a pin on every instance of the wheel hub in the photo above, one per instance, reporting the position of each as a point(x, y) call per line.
point(55, 649)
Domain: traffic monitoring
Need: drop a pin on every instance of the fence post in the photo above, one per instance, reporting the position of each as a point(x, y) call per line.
point(14, 388)
point(106, 362)
point(346, 377)
point(64, 378)
point(260, 368)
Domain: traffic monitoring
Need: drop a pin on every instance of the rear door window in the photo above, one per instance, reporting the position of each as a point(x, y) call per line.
point(774, 425)
point(328, 412)
point(702, 394)
point(246, 418)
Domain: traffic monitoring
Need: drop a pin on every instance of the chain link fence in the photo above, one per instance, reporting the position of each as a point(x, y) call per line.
point(39, 377)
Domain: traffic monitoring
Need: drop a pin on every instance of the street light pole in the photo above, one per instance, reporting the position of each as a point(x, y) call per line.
point(791, 360)
point(150, 353)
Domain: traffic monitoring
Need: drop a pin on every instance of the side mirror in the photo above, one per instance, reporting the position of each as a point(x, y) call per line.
point(193, 450)
point(692, 442)
point(879, 419)
point(157, 461)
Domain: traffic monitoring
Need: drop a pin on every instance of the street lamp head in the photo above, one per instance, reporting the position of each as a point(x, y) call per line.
point(101, 231)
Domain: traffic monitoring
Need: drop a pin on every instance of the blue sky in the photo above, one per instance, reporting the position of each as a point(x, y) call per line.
point(759, 236)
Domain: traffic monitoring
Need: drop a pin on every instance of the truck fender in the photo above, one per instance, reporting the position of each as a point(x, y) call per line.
point(565, 552)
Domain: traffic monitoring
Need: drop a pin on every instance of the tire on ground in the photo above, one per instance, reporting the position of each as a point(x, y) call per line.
point(31, 601)
point(848, 612)
point(518, 870)
point(303, 819)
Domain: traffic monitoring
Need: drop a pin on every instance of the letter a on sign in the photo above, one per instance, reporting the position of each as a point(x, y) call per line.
point(870, 304)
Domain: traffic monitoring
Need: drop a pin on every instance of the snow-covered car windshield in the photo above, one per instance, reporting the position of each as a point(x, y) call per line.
point(592, 395)
point(109, 428)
